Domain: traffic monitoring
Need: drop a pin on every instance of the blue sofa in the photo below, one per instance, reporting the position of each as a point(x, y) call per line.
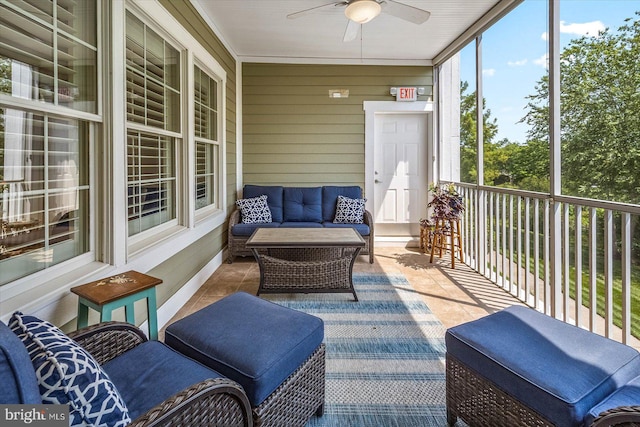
point(297, 207)
point(521, 367)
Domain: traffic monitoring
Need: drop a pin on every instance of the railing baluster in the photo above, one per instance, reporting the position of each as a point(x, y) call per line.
point(565, 263)
point(547, 257)
point(626, 277)
point(593, 267)
point(578, 264)
point(519, 282)
point(511, 281)
point(491, 236)
point(608, 272)
point(527, 251)
point(536, 253)
point(504, 242)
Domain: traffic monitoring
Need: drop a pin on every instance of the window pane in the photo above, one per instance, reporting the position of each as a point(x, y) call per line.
point(206, 132)
point(514, 62)
point(600, 114)
point(468, 139)
point(28, 61)
point(151, 180)
point(44, 169)
point(206, 161)
point(153, 78)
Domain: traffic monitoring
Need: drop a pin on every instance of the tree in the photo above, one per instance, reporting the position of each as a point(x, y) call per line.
point(600, 115)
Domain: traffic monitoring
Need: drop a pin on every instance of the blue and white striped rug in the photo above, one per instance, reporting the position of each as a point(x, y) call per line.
point(385, 355)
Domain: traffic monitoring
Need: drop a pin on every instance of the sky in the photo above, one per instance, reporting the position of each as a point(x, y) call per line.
point(515, 53)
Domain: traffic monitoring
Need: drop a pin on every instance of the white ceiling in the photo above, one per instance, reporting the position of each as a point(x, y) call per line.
point(258, 30)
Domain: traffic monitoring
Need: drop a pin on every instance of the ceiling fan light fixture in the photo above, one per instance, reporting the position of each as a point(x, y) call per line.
point(362, 11)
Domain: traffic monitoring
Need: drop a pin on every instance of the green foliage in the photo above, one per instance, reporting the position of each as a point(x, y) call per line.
point(600, 115)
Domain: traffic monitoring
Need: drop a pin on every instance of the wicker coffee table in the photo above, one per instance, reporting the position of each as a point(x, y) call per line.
point(306, 259)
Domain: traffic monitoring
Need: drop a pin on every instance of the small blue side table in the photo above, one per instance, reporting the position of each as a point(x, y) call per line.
point(121, 290)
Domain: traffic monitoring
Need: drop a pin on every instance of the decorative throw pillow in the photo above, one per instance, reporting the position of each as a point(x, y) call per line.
point(68, 374)
point(349, 211)
point(255, 210)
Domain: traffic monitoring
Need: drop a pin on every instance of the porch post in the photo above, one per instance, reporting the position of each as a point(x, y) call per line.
point(481, 207)
point(554, 166)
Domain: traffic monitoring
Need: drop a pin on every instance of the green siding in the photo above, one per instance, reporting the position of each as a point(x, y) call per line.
point(181, 267)
point(294, 134)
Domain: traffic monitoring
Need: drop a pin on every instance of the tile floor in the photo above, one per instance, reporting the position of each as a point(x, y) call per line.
point(454, 295)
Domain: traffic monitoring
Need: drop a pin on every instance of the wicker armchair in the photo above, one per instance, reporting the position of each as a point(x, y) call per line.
point(212, 402)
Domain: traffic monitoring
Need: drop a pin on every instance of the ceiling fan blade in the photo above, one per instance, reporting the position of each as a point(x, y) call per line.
point(351, 32)
point(307, 11)
point(406, 12)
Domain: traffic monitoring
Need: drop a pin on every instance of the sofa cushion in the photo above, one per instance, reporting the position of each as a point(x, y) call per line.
point(627, 395)
point(363, 229)
point(330, 195)
point(349, 211)
point(302, 204)
point(18, 379)
point(302, 224)
point(152, 372)
point(254, 210)
point(252, 341)
point(248, 229)
point(558, 370)
point(274, 195)
point(68, 374)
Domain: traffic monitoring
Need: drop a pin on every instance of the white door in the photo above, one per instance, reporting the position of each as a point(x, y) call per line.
point(400, 173)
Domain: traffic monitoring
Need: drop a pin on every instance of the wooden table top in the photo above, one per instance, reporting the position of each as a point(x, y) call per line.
point(291, 237)
point(109, 289)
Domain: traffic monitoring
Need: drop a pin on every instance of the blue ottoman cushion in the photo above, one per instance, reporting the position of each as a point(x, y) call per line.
point(152, 372)
point(274, 198)
point(252, 341)
point(558, 370)
point(303, 204)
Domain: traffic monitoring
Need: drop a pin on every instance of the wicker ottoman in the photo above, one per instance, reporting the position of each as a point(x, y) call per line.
point(275, 353)
point(518, 367)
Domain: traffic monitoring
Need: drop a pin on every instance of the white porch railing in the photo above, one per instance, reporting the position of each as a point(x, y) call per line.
point(568, 257)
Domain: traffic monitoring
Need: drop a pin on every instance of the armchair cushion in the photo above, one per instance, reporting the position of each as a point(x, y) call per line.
point(17, 376)
point(68, 374)
point(254, 210)
point(152, 372)
point(627, 395)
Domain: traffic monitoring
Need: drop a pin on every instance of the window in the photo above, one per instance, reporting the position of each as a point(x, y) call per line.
point(50, 60)
point(47, 60)
point(207, 138)
point(153, 122)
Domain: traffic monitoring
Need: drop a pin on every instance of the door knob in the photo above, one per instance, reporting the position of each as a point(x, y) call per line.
point(377, 181)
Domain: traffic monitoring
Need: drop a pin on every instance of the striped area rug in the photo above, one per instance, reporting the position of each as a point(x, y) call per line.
point(385, 355)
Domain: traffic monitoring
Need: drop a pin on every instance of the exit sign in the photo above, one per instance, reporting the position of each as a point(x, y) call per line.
point(407, 94)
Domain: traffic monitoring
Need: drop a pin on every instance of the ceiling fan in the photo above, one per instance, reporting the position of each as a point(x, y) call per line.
point(362, 11)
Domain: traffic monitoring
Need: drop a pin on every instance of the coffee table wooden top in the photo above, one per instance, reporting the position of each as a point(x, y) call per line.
point(291, 237)
point(106, 290)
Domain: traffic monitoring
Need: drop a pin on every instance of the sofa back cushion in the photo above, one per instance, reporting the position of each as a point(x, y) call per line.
point(274, 198)
point(303, 204)
point(18, 379)
point(330, 195)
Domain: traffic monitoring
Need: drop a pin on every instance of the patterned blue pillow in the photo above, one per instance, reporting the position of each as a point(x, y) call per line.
point(68, 374)
point(349, 211)
point(254, 210)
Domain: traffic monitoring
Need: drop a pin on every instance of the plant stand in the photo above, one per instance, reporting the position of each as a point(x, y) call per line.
point(447, 235)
